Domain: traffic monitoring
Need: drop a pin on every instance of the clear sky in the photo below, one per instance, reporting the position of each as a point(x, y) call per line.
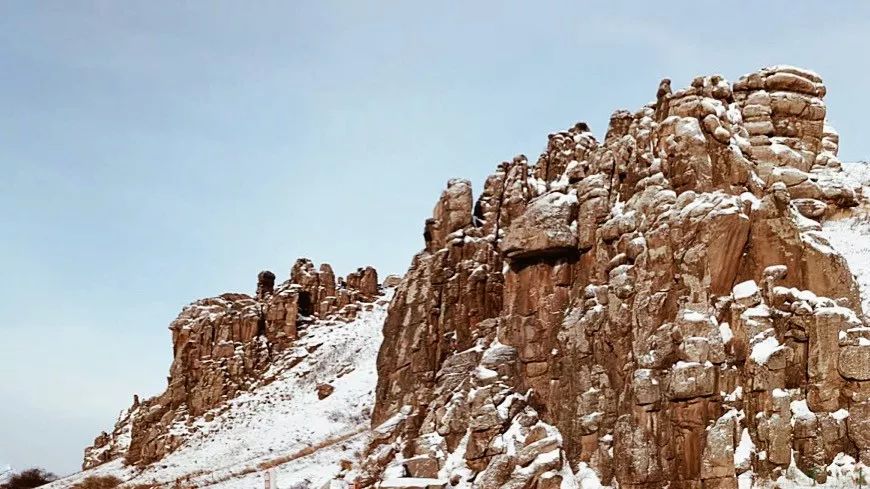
point(152, 153)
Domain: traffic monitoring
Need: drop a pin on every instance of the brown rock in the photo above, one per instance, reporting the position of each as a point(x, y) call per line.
point(265, 284)
point(324, 391)
point(547, 227)
point(854, 362)
point(392, 281)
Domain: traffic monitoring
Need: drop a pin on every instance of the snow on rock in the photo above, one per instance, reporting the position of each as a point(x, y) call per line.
point(547, 226)
point(5, 473)
point(282, 424)
point(586, 478)
point(843, 472)
point(763, 350)
point(743, 451)
point(745, 480)
point(850, 235)
point(747, 293)
point(643, 225)
point(736, 394)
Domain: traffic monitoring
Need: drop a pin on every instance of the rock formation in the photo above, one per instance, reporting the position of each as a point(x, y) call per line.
point(224, 345)
point(661, 308)
point(657, 309)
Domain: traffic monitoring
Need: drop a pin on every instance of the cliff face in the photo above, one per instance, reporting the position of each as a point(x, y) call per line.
point(658, 308)
point(225, 345)
point(663, 308)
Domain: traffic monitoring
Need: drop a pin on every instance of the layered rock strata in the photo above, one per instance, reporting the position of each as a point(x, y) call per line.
point(224, 345)
point(660, 308)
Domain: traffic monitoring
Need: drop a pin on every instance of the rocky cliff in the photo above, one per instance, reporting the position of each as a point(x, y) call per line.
point(677, 305)
point(226, 345)
point(658, 309)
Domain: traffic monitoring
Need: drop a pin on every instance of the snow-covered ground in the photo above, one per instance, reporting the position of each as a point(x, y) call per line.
point(850, 236)
point(282, 423)
point(5, 473)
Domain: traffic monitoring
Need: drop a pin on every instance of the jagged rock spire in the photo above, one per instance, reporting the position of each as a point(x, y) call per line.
point(265, 284)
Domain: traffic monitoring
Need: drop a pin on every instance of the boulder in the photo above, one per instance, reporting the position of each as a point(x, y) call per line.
point(324, 391)
point(548, 227)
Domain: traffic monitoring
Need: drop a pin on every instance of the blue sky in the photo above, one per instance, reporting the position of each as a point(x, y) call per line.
point(153, 153)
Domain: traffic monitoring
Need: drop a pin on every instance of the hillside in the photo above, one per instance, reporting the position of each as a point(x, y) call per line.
point(281, 419)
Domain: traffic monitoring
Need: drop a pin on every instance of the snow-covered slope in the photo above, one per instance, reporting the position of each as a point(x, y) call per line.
point(850, 235)
point(282, 424)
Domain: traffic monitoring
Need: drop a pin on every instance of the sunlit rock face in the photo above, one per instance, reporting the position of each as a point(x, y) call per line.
point(658, 309)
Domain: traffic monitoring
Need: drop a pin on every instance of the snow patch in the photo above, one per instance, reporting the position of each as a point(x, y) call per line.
point(744, 290)
point(764, 349)
point(743, 451)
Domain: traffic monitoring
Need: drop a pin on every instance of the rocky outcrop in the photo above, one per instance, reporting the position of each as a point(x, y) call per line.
point(547, 227)
point(111, 446)
point(657, 309)
point(224, 345)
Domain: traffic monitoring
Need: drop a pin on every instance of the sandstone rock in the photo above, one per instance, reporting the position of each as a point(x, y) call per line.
point(646, 387)
point(423, 466)
point(822, 364)
point(497, 472)
point(452, 213)
point(392, 281)
point(265, 284)
point(854, 362)
point(811, 208)
point(858, 425)
point(368, 283)
point(324, 391)
point(547, 227)
point(533, 450)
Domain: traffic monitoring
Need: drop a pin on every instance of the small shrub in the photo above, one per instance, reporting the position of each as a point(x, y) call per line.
point(29, 478)
point(98, 482)
point(811, 472)
point(183, 483)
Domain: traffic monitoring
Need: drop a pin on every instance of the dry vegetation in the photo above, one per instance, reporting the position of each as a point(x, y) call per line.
point(307, 450)
point(28, 479)
point(98, 482)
